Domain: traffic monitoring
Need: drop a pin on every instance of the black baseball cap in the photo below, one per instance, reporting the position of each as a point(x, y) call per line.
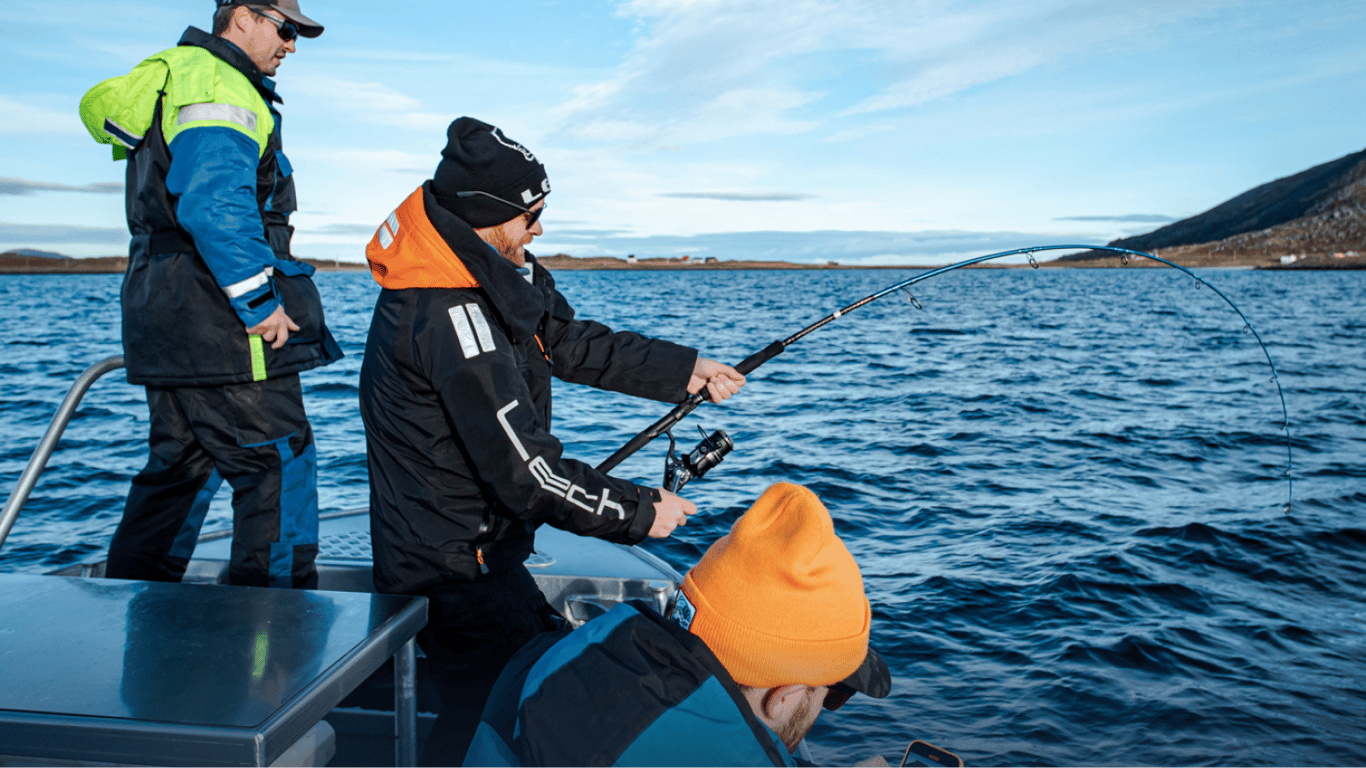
point(872, 678)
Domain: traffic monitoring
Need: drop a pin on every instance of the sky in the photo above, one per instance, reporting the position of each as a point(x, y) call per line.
point(859, 131)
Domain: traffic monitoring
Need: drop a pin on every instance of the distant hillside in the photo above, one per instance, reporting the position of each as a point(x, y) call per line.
point(31, 262)
point(26, 261)
point(1314, 213)
point(565, 262)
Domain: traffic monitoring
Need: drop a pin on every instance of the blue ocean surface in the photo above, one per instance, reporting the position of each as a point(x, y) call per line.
point(1066, 488)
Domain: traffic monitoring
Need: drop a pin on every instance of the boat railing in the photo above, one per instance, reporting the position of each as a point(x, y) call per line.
point(48, 444)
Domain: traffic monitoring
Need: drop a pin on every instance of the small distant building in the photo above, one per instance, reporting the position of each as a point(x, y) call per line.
point(631, 259)
point(1289, 259)
point(709, 260)
point(684, 258)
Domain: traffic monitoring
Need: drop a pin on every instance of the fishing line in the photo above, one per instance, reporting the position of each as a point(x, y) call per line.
point(749, 364)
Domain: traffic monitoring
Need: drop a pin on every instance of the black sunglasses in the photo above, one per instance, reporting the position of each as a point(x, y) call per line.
point(287, 29)
point(531, 216)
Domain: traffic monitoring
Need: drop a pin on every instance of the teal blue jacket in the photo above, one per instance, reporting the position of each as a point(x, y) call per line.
point(627, 688)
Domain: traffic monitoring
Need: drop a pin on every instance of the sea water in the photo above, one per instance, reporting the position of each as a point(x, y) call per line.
point(1066, 488)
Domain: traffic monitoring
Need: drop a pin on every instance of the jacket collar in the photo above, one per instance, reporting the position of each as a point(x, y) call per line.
point(519, 302)
point(235, 57)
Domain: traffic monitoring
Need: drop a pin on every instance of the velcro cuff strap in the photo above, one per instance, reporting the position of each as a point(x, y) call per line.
point(250, 284)
point(226, 113)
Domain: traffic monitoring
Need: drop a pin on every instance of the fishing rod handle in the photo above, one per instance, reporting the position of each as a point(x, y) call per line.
point(654, 430)
point(747, 366)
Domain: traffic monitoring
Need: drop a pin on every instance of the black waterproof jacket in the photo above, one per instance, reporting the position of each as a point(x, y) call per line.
point(179, 326)
point(455, 394)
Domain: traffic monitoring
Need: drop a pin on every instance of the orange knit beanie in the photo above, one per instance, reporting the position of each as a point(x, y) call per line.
point(779, 599)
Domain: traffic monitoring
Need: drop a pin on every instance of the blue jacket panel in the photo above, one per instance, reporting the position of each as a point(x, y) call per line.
point(213, 173)
point(628, 688)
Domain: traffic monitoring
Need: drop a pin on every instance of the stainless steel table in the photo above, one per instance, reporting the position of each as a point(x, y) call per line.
point(186, 674)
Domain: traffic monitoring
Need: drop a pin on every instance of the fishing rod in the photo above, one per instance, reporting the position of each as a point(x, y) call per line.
point(714, 447)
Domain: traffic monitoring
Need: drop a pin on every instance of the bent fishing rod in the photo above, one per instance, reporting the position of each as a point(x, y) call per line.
point(714, 447)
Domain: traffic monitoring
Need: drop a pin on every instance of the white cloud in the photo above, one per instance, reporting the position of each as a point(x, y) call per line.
point(17, 117)
point(706, 69)
point(726, 114)
point(698, 73)
point(861, 132)
point(365, 167)
point(935, 81)
point(345, 193)
point(741, 197)
point(10, 185)
point(979, 115)
point(27, 234)
point(366, 102)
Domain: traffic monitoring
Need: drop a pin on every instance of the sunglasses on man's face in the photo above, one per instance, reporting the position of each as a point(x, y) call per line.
point(528, 215)
point(287, 29)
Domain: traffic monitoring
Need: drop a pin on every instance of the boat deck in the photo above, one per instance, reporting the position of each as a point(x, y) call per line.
point(581, 577)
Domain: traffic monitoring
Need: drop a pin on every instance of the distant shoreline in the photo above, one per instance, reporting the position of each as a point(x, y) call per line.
point(11, 264)
point(17, 264)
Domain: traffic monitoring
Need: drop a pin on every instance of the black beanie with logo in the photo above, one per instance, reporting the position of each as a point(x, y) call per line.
point(479, 158)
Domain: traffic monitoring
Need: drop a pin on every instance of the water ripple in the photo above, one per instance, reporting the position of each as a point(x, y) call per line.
point(1064, 487)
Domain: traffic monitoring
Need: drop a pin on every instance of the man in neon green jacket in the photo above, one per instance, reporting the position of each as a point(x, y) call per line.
point(218, 317)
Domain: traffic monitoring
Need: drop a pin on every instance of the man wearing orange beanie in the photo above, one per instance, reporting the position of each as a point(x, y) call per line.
point(768, 627)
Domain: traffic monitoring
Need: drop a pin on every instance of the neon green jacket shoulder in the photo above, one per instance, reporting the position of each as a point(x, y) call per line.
point(201, 90)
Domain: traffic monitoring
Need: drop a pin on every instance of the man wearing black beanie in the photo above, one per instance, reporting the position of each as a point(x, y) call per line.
point(455, 393)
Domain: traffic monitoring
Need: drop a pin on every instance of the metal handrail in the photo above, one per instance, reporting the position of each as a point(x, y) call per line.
point(48, 444)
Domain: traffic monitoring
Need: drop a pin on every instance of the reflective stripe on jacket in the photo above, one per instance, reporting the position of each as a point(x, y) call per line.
point(208, 198)
point(455, 392)
point(627, 688)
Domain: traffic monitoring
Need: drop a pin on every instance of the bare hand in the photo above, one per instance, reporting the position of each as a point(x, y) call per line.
point(720, 379)
point(671, 511)
point(275, 328)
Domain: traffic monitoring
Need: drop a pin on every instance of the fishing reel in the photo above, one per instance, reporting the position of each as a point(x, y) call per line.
point(708, 453)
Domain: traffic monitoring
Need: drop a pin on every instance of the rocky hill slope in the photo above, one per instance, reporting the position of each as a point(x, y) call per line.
point(1311, 215)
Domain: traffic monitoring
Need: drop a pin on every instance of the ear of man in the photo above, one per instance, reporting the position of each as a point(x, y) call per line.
point(788, 710)
point(232, 23)
point(781, 703)
point(242, 19)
